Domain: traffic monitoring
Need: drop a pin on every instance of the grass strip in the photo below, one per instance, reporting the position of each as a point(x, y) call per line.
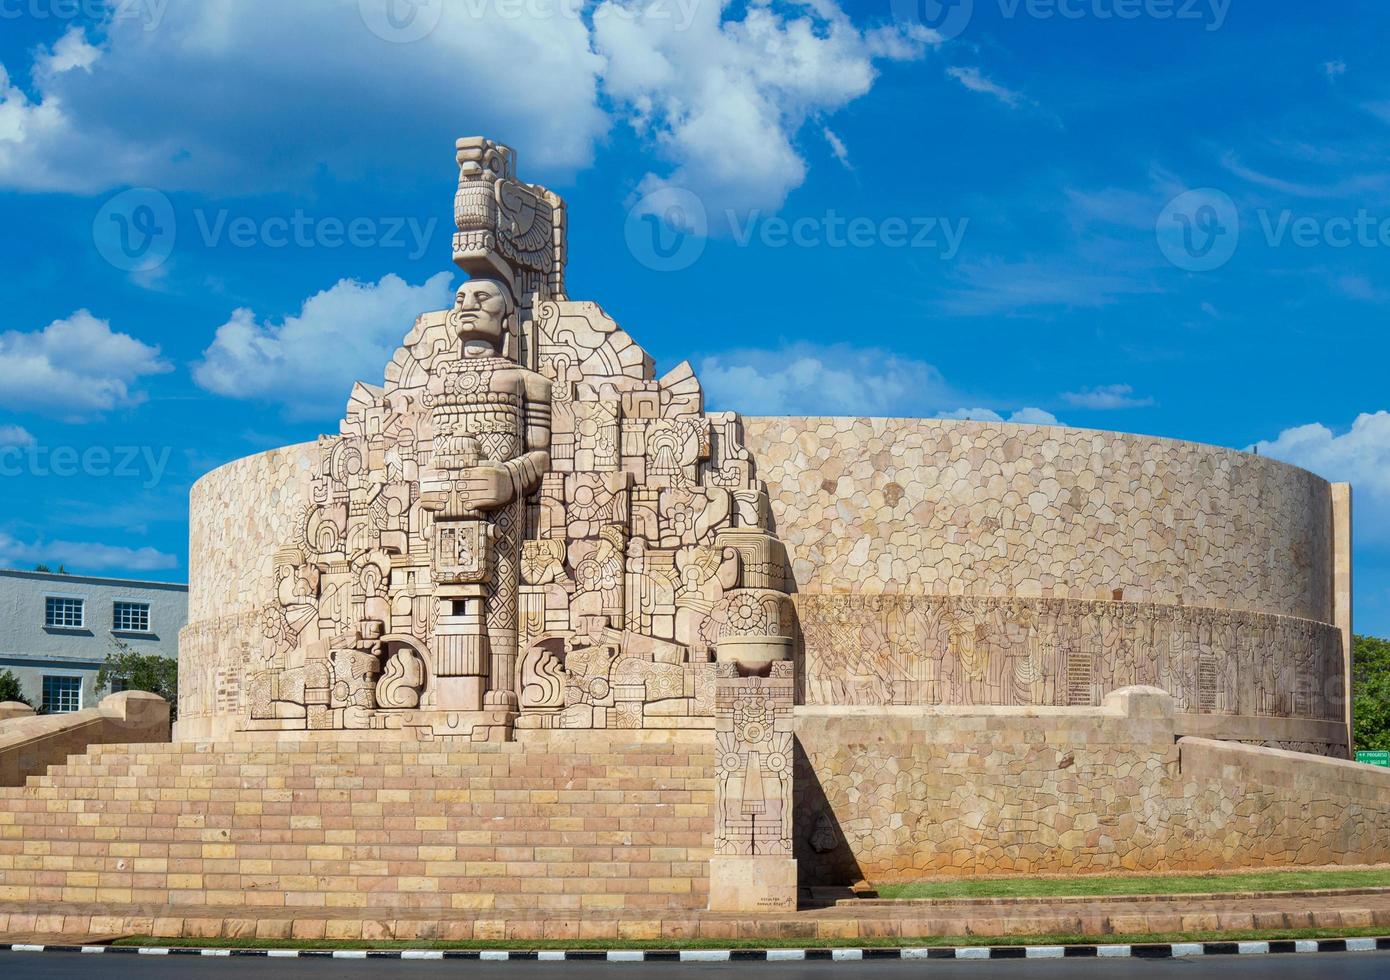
point(1100, 887)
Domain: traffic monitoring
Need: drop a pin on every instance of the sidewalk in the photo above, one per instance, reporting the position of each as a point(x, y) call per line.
point(860, 919)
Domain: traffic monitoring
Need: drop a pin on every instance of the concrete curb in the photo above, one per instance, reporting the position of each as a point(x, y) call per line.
point(1137, 951)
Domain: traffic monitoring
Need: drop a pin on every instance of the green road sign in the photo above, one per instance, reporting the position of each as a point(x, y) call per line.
point(1374, 758)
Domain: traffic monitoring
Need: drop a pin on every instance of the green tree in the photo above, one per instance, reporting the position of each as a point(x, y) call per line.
point(10, 689)
point(141, 672)
point(1370, 677)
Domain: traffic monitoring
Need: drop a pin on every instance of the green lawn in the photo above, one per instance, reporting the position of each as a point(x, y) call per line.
point(866, 943)
point(1264, 881)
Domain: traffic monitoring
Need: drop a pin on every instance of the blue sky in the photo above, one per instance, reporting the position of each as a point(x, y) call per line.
point(1161, 217)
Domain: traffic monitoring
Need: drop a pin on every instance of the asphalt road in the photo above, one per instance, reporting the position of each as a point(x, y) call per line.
point(1293, 966)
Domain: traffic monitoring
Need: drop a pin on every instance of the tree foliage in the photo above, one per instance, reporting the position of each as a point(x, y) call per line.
point(1371, 684)
point(141, 672)
point(10, 688)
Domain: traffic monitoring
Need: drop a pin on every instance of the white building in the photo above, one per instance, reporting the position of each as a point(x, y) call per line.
point(57, 630)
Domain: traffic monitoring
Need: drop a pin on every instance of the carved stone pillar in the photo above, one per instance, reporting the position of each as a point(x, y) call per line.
point(753, 869)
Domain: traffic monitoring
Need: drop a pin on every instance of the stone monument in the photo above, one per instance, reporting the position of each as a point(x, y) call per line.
point(912, 646)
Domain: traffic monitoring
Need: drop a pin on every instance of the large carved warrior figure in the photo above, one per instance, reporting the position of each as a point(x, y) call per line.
point(523, 526)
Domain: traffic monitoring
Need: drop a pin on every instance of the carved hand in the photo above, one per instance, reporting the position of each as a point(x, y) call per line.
point(486, 487)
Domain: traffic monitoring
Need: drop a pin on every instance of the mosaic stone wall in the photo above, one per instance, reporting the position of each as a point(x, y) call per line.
point(932, 507)
point(1006, 548)
point(238, 516)
point(899, 793)
point(899, 649)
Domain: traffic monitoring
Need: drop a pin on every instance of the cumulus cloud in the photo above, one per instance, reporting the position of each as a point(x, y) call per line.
point(724, 98)
point(976, 81)
point(79, 556)
point(1106, 397)
point(74, 368)
point(720, 91)
point(131, 105)
point(309, 362)
point(804, 379)
point(14, 435)
point(1359, 456)
point(1027, 415)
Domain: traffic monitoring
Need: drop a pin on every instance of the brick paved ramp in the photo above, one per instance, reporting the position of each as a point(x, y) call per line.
point(245, 831)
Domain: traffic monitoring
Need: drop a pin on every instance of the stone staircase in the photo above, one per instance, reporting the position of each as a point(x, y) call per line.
point(586, 823)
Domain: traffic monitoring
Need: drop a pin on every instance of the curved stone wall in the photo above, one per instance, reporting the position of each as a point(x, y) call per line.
point(240, 515)
point(938, 562)
point(933, 507)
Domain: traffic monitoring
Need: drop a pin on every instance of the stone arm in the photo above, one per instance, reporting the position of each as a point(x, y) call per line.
point(527, 469)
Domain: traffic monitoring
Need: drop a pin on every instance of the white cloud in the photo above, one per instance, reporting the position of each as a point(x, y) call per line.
point(1028, 415)
point(976, 81)
point(1360, 456)
point(74, 368)
point(803, 379)
point(1106, 397)
point(156, 106)
point(719, 91)
point(70, 52)
point(724, 99)
point(14, 435)
point(79, 557)
point(837, 147)
point(309, 362)
point(1334, 68)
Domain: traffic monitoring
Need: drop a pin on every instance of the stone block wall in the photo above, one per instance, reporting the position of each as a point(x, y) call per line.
point(901, 793)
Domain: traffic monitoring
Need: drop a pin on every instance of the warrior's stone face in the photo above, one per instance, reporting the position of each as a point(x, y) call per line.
point(481, 314)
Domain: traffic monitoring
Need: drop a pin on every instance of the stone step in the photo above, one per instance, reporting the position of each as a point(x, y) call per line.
point(517, 827)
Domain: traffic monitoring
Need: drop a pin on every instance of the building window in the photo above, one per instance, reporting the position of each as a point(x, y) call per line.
point(132, 617)
point(62, 694)
point(64, 614)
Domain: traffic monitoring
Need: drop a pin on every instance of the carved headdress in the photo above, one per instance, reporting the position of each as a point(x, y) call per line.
point(507, 230)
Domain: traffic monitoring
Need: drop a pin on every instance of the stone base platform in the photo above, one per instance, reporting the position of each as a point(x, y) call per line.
point(558, 825)
point(1362, 908)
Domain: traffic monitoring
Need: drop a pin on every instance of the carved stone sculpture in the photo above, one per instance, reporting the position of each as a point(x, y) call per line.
point(524, 526)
